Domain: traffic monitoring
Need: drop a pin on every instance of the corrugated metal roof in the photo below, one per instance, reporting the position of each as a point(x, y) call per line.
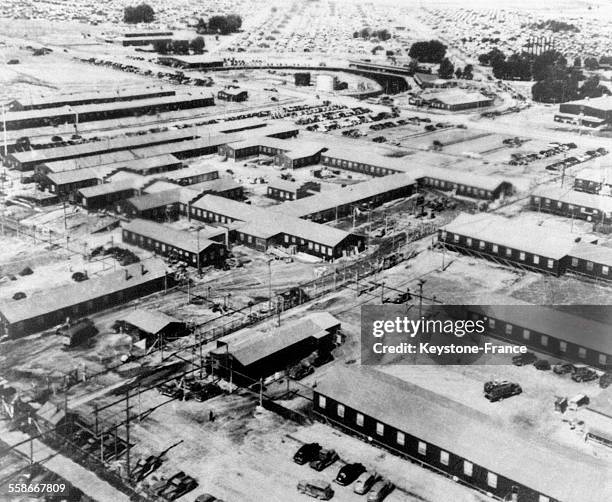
point(155, 200)
point(74, 176)
point(46, 155)
point(67, 295)
point(262, 345)
point(108, 188)
point(266, 223)
point(513, 234)
point(490, 183)
point(545, 467)
point(149, 321)
point(188, 241)
point(329, 200)
point(59, 166)
point(69, 99)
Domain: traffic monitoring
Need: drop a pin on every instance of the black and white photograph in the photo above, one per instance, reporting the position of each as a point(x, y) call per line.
point(293, 250)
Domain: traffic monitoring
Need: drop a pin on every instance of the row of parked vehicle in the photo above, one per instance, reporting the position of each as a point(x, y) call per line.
point(522, 159)
point(572, 161)
point(578, 373)
point(319, 458)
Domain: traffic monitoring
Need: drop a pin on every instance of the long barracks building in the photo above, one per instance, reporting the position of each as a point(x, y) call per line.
point(572, 204)
point(458, 441)
point(261, 228)
point(558, 333)
point(529, 247)
point(53, 306)
point(102, 111)
point(196, 251)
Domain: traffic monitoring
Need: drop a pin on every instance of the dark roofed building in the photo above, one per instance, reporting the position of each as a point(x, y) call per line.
point(51, 307)
point(263, 354)
point(236, 95)
point(180, 245)
point(151, 326)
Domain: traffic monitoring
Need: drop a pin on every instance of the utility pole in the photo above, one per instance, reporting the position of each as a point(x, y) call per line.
point(127, 432)
point(421, 283)
point(382, 292)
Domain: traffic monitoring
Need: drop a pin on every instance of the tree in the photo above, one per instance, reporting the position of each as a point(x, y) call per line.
point(180, 47)
point(197, 45)
point(161, 47)
point(591, 64)
point(428, 52)
point(201, 27)
point(225, 24)
point(468, 72)
point(142, 13)
point(446, 69)
point(458, 73)
point(591, 88)
point(492, 58)
point(577, 62)
point(365, 33)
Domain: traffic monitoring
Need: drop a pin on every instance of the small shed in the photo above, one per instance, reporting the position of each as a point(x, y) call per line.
point(150, 325)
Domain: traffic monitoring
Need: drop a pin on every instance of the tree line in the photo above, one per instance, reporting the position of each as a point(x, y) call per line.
point(556, 80)
point(141, 13)
point(223, 25)
point(181, 47)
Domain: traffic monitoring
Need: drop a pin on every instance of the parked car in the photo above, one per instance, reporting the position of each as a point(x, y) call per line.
point(365, 481)
point(349, 473)
point(584, 374)
point(324, 459)
point(380, 490)
point(306, 453)
point(542, 365)
point(503, 390)
point(563, 368)
point(20, 295)
point(524, 359)
point(605, 380)
point(206, 497)
point(316, 488)
point(301, 371)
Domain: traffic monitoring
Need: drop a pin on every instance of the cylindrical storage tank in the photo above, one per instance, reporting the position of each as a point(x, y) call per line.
point(325, 83)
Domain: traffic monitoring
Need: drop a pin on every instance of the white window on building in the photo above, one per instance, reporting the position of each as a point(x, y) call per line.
point(443, 235)
point(508, 252)
point(605, 270)
point(522, 256)
point(603, 359)
point(574, 262)
point(340, 410)
point(508, 329)
point(544, 340)
point(468, 468)
point(550, 263)
point(359, 419)
point(582, 353)
point(526, 334)
point(468, 241)
point(543, 498)
point(536, 199)
point(444, 458)
point(422, 448)
point(492, 323)
point(563, 346)
point(322, 402)
point(559, 204)
point(400, 439)
point(492, 479)
point(536, 259)
point(287, 239)
point(456, 238)
point(380, 429)
point(589, 266)
point(481, 245)
point(495, 248)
